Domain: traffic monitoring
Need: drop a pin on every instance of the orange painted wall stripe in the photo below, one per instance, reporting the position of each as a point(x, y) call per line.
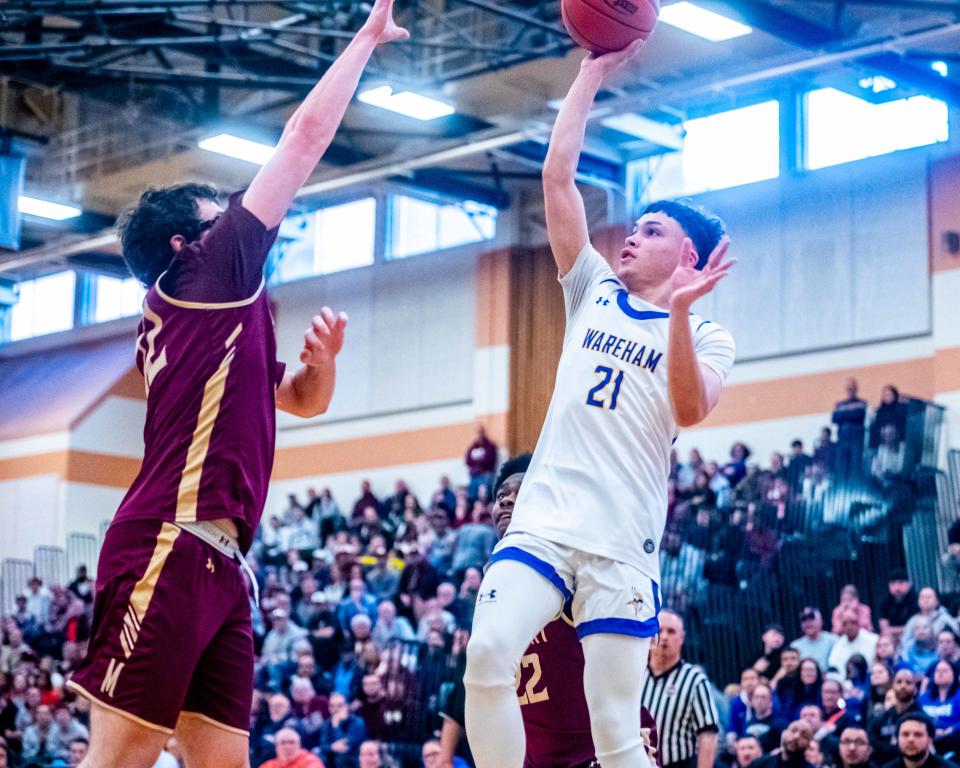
point(819, 392)
point(101, 469)
point(412, 447)
point(53, 463)
point(492, 289)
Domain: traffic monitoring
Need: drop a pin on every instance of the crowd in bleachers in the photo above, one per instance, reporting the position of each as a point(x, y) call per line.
point(365, 610)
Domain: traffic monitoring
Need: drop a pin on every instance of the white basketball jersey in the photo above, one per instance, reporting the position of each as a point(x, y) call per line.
point(598, 478)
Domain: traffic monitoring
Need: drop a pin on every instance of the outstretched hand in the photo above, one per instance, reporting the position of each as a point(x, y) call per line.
point(606, 63)
point(705, 279)
point(380, 23)
point(324, 339)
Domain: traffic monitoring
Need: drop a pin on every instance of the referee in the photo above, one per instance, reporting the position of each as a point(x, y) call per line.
point(680, 697)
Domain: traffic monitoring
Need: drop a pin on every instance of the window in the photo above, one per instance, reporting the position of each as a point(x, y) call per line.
point(44, 305)
point(841, 128)
point(728, 149)
point(328, 240)
point(420, 226)
point(117, 297)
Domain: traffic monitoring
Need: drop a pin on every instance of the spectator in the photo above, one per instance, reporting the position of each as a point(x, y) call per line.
point(371, 706)
point(341, 735)
point(773, 638)
point(855, 749)
point(719, 485)
point(747, 750)
point(892, 412)
point(418, 582)
point(883, 730)
point(825, 452)
point(930, 608)
point(814, 643)
point(881, 681)
point(473, 542)
point(836, 716)
point(290, 753)
point(736, 469)
point(681, 572)
point(78, 750)
point(299, 533)
point(850, 601)
point(38, 743)
point(390, 627)
point(797, 464)
point(481, 461)
point(357, 602)
point(263, 736)
point(687, 473)
point(850, 415)
point(899, 604)
point(325, 633)
point(82, 586)
point(740, 710)
point(448, 601)
point(66, 730)
point(814, 755)
point(947, 648)
point(687, 718)
point(764, 725)
point(888, 651)
point(439, 540)
point(799, 684)
point(280, 640)
point(915, 734)
point(38, 601)
point(793, 743)
point(328, 517)
point(383, 580)
point(15, 651)
point(941, 703)
point(367, 499)
point(853, 640)
point(373, 754)
point(920, 651)
point(469, 590)
point(445, 493)
point(435, 617)
point(888, 462)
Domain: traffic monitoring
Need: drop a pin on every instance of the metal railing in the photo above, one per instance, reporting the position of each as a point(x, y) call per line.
point(82, 549)
point(14, 575)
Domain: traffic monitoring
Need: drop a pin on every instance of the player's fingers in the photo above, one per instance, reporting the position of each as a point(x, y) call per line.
point(342, 320)
point(312, 341)
point(328, 317)
point(717, 256)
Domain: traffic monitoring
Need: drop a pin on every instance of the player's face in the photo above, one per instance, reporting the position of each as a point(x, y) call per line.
point(503, 504)
point(652, 252)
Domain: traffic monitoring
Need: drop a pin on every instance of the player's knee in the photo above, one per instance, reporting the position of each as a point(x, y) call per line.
point(612, 728)
point(487, 663)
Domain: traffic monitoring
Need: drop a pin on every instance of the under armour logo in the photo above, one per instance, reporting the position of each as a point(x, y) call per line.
point(210, 565)
point(602, 301)
point(487, 597)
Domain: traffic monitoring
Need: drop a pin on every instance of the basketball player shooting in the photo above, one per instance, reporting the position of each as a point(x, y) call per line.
point(550, 684)
point(636, 365)
point(172, 645)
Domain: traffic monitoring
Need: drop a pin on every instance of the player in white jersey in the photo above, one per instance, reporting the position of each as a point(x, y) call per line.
point(637, 365)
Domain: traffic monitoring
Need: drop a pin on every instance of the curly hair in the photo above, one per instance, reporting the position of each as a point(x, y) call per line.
point(704, 229)
point(146, 229)
point(511, 467)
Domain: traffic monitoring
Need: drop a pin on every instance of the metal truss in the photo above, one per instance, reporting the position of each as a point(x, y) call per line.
point(281, 45)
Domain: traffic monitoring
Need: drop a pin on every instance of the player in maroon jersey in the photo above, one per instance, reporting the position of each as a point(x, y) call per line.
point(550, 679)
point(172, 645)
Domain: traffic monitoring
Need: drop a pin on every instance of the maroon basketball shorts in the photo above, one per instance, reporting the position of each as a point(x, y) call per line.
point(171, 630)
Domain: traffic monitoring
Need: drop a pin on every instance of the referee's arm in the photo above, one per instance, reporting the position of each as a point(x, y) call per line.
point(705, 718)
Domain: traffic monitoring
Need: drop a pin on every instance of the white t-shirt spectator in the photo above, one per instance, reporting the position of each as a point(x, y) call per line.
point(818, 650)
point(865, 643)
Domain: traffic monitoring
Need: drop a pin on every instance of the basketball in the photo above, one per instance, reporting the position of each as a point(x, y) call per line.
point(601, 26)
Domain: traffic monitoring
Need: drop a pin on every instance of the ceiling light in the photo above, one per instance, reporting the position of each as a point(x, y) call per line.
point(241, 149)
point(33, 206)
point(940, 67)
point(877, 84)
point(703, 23)
point(406, 103)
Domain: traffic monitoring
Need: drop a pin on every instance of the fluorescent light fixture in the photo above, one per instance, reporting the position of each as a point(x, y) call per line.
point(940, 67)
point(32, 206)
point(661, 134)
point(703, 23)
point(877, 84)
point(406, 103)
point(241, 149)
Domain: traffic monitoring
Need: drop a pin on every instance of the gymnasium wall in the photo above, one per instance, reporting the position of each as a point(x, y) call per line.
point(429, 353)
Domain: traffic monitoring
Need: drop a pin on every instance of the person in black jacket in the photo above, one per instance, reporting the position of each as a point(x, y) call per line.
point(915, 732)
point(850, 415)
point(884, 731)
point(793, 745)
point(855, 749)
point(892, 411)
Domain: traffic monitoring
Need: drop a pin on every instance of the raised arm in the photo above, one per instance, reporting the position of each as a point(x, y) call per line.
point(566, 218)
point(308, 392)
point(311, 129)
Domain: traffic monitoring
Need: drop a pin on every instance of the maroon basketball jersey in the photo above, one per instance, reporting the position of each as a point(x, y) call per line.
point(210, 374)
point(550, 688)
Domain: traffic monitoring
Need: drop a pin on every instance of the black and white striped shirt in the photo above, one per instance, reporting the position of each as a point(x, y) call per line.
point(681, 701)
